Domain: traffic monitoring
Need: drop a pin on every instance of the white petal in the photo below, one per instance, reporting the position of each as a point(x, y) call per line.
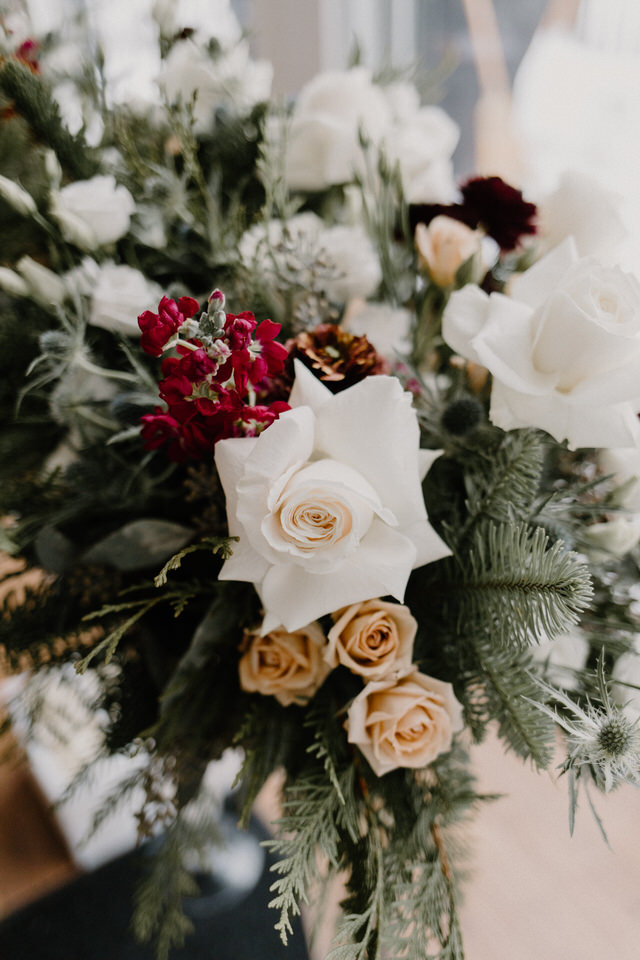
point(504, 347)
point(373, 428)
point(230, 457)
point(534, 285)
point(426, 459)
point(380, 566)
point(463, 319)
point(287, 443)
point(581, 426)
point(307, 390)
point(244, 563)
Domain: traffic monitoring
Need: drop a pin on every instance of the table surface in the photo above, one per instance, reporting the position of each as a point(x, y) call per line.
point(535, 893)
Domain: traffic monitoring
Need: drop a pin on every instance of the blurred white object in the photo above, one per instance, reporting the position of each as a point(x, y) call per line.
point(576, 108)
point(55, 716)
point(564, 657)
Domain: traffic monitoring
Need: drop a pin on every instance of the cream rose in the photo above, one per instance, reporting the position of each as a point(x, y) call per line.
point(372, 639)
point(93, 213)
point(443, 247)
point(286, 665)
point(404, 723)
point(564, 351)
point(327, 503)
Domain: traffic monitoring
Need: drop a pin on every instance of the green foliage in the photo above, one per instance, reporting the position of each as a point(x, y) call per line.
point(219, 545)
point(33, 102)
point(520, 587)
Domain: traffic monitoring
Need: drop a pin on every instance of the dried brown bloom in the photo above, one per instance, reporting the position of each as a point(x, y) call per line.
point(336, 357)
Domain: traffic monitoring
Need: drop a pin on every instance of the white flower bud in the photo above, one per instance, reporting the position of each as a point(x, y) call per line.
point(43, 284)
point(17, 198)
point(52, 169)
point(12, 283)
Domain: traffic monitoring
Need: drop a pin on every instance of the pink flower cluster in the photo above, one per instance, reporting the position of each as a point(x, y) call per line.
point(207, 387)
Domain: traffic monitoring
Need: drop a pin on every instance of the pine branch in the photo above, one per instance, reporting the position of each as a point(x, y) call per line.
point(33, 102)
point(504, 486)
point(520, 588)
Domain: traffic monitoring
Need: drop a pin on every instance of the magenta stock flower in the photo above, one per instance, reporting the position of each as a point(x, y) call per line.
point(208, 387)
point(158, 328)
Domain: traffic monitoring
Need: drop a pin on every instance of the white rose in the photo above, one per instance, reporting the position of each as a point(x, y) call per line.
point(387, 328)
point(626, 674)
point(230, 79)
point(215, 18)
point(327, 503)
point(423, 146)
point(615, 536)
point(582, 208)
point(323, 142)
point(564, 352)
point(358, 271)
point(258, 245)
point(119, 296)
point(562, 657)
point(624, 464)
point(404, 723)
point(44, 285)
point(93, 213)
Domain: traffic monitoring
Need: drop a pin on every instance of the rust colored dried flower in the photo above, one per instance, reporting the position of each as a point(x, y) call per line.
point(336, 357)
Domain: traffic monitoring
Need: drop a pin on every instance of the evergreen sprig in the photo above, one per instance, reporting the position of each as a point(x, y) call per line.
point(520, 587)
point(31, 100)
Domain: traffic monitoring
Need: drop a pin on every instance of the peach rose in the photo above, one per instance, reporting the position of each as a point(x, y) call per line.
point(404, 723)
point(287, 666)
point(443, 247)
point(372, 638)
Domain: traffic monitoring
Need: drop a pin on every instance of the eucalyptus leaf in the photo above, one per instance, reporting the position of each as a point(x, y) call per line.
point(140, 544)
point(54, 551)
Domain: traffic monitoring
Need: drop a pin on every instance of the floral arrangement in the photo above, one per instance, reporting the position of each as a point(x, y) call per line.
point(390, 503)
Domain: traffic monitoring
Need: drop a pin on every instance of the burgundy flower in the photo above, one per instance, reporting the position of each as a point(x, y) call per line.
point(27, 53)
point(487, 202)
point(238, 330)
point(205, 387)
point(158, 328)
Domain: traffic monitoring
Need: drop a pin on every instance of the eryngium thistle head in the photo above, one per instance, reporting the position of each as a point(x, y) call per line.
point(462, 415)
point(616, 735)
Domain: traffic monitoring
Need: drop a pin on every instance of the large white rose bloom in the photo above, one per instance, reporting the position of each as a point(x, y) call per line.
point(231, 79)
point(564, 348)
point(327, 503)
point(334, 108)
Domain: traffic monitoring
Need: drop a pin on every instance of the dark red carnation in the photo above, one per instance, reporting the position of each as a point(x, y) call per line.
point(487, 202)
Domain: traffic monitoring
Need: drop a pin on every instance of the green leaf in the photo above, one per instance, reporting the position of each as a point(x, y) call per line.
point(139, 544)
